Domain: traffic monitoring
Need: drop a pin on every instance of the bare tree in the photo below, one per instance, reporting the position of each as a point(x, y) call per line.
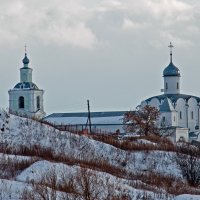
point(142, 120)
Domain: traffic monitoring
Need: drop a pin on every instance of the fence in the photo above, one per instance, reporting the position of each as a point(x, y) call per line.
point(96, 128)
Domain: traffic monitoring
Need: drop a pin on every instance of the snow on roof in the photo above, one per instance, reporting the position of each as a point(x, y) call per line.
point(81, 118)
point(166, 106)
point(85, 114)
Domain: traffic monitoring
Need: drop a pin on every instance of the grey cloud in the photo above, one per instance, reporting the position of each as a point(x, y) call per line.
point(89, 47)
point(61, 22)
point(67, 22)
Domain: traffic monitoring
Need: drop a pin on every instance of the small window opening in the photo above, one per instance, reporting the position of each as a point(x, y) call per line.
point(38, 102)
point(177, 85)
point(192, 115)
point(21, 102)
point(166, 86)
point(180, 115)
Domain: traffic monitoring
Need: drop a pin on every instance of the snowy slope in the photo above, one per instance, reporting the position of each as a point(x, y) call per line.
point(17, 132)
point(81, 147)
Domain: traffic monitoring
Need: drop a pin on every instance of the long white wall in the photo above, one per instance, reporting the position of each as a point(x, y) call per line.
point(186, 115)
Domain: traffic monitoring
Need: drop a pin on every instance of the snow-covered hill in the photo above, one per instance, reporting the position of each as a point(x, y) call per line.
point(40, 162)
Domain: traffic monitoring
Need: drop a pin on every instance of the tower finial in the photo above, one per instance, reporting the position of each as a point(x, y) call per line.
point(25, 49)
point(170, 46)
point(25, 60)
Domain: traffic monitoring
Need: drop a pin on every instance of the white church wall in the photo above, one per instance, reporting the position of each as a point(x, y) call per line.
point(29, 100)
point(143, 104)
point(172, 85)
point(174, 118)
point(35, 95)
point(14, 100)
point(26, 75)
point(181, 112)
point(192, 114)
point(168, 119)
point(165, 119)
point(155, 102)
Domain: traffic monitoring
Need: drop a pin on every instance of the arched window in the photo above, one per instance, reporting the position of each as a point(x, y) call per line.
point(21, 102)
point(38, 102)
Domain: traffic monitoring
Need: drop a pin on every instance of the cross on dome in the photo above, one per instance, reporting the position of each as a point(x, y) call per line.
point(25, 48)
point(171, 69)
point(25, 60)
point(170, 46)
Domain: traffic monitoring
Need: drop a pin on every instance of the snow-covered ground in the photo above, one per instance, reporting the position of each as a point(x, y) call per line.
point(17, 132)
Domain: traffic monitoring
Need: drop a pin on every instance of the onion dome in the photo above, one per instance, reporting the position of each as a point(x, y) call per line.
point(171, 70)
point(25, 60)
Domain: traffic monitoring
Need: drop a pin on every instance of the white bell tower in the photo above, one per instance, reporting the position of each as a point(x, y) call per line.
point(26, 98)
point(171, 76)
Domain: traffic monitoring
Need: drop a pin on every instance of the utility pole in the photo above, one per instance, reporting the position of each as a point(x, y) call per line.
point(89, 117)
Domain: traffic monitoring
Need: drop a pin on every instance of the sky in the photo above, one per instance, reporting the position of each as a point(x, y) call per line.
point(112, 52)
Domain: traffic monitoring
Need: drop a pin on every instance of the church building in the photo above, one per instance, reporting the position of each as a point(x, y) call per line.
point(177, 109)
point(26, 98)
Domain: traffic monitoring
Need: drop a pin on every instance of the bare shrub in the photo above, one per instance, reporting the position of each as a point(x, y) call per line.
point(89, 184)
point(12, 166)
point(27, 194)
point(38, 191)
point(5, 190)
point(67, 184)
point(120, 197)
point(93, 186)
point(85, 185)
point(45, 189)
point(188, 159)
point(131, 144)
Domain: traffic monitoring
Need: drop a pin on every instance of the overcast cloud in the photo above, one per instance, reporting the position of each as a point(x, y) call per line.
point(61, 21)
point(110, 51)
